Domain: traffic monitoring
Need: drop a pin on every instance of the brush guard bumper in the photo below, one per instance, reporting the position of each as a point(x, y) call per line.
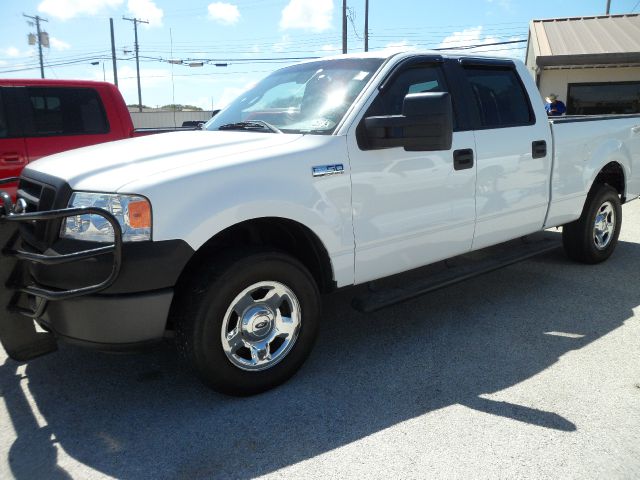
point(21, 296)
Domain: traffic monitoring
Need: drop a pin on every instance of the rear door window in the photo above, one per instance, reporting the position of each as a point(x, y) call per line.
point(66, 111)
point(500, 97)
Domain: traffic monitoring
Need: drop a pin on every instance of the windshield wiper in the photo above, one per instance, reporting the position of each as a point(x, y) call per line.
point(250, 125)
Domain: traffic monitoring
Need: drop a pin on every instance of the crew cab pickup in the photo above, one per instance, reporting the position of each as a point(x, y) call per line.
point(326, 174)
point(43, 117)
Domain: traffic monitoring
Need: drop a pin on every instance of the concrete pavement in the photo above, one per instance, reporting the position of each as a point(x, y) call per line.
point(532, 371)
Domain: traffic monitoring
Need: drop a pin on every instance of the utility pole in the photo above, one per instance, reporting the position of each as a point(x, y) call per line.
point(37, 20)
point(366, 25)
point(608, 6)
point(113, 53)
point(135, 32)
point(344, 26)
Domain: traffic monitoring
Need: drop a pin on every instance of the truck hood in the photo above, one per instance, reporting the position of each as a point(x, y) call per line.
point(109, 166)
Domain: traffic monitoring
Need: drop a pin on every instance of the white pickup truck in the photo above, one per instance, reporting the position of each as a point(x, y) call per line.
point(325, 174)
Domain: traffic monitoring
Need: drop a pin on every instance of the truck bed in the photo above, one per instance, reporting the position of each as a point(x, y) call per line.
point(610, 138)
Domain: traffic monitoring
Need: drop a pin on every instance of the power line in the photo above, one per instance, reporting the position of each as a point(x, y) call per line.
point(467, 47)
point(351, 16)
point(68, 61)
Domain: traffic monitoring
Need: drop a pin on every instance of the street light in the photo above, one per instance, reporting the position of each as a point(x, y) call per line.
point(195, 62)
point(104, 75)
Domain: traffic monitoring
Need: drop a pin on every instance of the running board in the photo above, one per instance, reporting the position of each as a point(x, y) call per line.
point(390, 291)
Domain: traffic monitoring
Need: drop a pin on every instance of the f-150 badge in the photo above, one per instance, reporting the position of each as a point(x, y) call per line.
point(324, 170)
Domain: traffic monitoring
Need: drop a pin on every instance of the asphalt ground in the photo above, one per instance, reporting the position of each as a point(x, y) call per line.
point(532, 371)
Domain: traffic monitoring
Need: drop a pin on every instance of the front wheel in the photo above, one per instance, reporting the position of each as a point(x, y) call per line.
point(593, 237)
point(247, 322)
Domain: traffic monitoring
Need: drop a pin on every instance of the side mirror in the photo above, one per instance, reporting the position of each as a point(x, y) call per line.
point(426, 124)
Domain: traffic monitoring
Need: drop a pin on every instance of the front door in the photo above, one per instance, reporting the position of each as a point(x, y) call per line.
point(410, 208)
point(13, 149)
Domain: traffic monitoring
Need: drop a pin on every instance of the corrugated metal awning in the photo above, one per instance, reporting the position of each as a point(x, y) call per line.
point(601, 40)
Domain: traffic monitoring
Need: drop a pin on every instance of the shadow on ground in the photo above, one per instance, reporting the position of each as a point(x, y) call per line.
point(146, 416)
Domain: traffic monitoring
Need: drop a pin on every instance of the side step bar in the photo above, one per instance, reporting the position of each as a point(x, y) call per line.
point(400, 288)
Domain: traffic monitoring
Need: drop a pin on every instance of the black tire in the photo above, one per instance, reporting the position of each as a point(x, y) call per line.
point(203, 301)
point(579, 239)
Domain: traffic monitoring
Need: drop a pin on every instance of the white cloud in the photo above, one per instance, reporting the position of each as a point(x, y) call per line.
point(401, 46)
point(474, 36)
point(469, 36)
point(283, 44)
point(156, 82)
point(314, 15)
point(224, 13)
point(331, 48)
point(12, 52)
point(229, 94)
point(146, 10)
point(66, 9)
point(58, 44)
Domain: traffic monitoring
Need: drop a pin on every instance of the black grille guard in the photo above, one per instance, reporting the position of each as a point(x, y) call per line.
point(9, 220)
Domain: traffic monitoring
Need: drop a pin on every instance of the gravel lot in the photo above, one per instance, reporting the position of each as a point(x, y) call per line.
point(532, 371)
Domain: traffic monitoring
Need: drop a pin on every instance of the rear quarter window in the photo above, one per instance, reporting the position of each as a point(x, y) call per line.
point(66, 111)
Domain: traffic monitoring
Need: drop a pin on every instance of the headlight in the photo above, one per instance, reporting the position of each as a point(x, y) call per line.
point(132, 211)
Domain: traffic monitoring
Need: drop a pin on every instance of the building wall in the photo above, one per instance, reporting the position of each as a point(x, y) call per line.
point(167, 119)
point(557, 81)
point(530, 61)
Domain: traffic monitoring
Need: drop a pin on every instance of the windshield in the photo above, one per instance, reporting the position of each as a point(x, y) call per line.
point(306, 98)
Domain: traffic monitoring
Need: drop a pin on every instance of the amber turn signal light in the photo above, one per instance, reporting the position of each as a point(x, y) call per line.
point(140, 214)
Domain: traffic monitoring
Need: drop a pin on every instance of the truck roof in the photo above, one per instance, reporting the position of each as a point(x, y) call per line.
point(386, 54)
point(46, 82)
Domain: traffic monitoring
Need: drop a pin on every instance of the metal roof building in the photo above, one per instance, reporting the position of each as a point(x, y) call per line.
point(592, 63)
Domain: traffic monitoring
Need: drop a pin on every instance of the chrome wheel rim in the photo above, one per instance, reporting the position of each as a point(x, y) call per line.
point(261, 326)
point(604, 226)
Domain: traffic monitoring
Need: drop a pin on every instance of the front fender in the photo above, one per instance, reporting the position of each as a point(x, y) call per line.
point(198, 204)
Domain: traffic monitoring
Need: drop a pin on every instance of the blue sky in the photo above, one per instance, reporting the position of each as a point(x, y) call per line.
point(252, 36)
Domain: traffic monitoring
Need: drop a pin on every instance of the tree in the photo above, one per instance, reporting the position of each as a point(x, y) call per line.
point(177, 107)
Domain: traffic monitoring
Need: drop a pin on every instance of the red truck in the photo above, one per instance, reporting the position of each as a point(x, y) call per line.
point(43, 117)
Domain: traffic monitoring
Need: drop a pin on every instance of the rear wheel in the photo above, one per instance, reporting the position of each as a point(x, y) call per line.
point(594, 236)
point(247, 323)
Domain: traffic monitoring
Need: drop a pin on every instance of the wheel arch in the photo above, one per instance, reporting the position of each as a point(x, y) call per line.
point(285, 235)
point(612, 174)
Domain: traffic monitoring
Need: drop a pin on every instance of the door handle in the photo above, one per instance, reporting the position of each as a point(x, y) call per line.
point(11, 157)
point(463, 159)
point(539, 149)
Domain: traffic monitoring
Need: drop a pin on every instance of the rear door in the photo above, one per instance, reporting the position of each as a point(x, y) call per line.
point(13, 149)
point(513, 152)
point(63, 118)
